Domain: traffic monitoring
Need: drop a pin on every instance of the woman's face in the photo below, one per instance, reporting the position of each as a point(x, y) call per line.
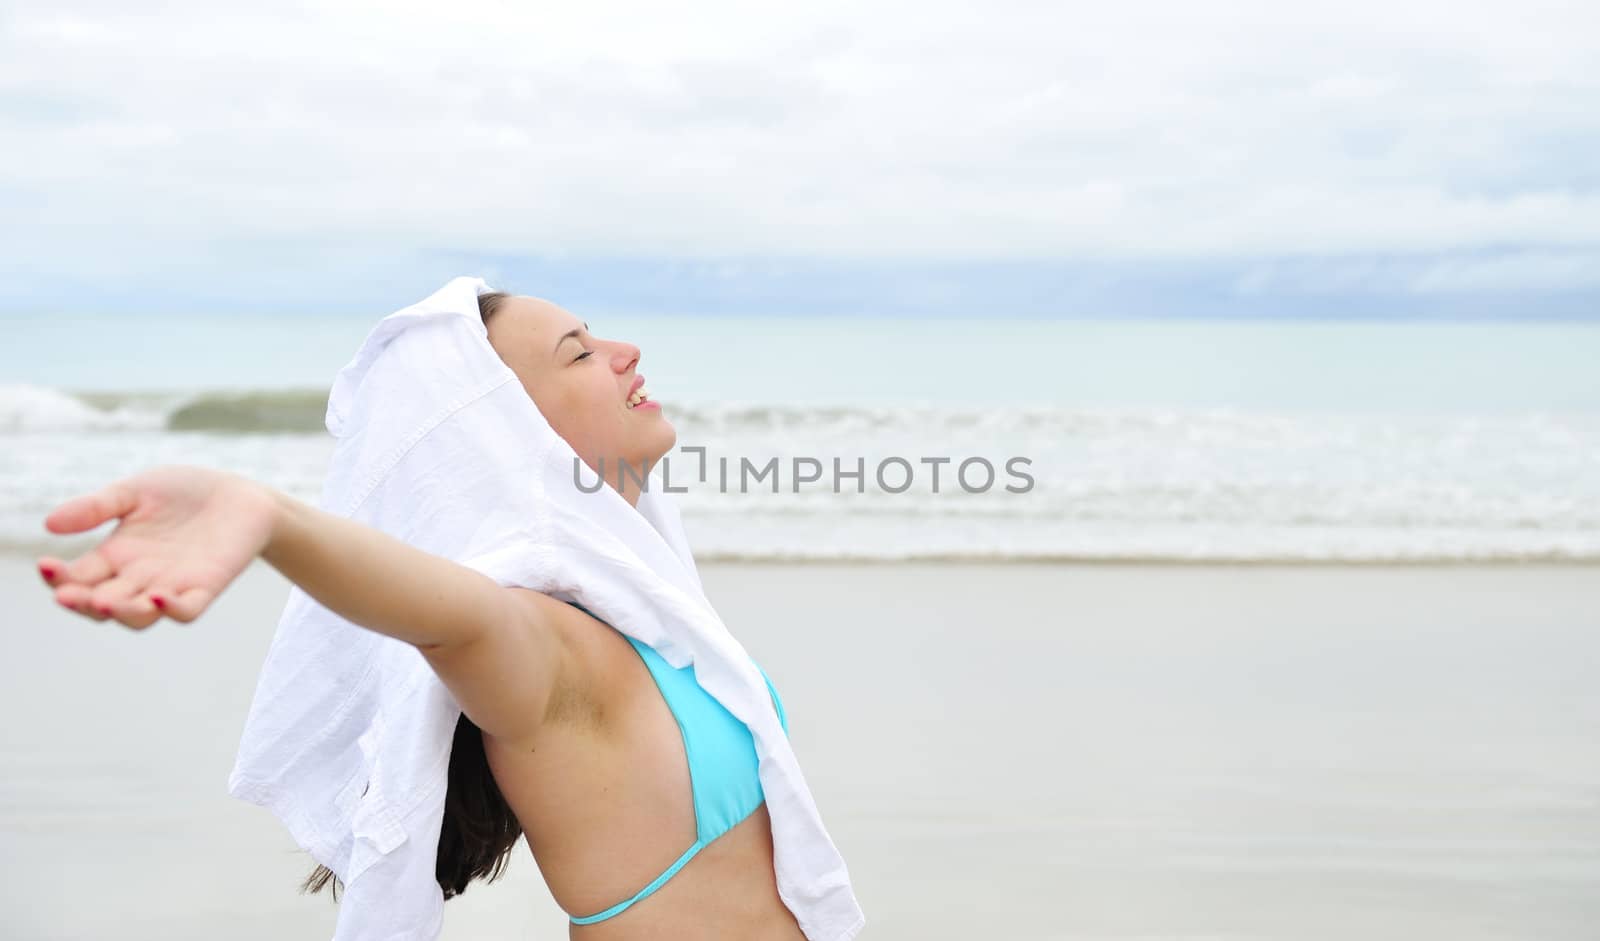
point(583, 386)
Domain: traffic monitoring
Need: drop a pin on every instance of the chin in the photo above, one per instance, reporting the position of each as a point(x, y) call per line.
point(658, 443)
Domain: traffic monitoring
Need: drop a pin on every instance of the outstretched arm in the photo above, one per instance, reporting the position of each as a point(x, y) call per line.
point(374, 580)
point(497, 649)
point(185, 533)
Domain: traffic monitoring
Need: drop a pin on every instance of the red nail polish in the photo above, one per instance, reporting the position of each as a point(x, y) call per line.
point(105, 612)
point(160, 604)
point(48, 573)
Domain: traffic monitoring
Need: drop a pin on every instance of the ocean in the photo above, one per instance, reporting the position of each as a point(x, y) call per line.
point(1051, 440)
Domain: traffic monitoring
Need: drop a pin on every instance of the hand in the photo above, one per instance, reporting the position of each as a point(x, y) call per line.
point(185, 534)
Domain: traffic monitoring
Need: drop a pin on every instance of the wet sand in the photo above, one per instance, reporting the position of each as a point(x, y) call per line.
point(1001, 751)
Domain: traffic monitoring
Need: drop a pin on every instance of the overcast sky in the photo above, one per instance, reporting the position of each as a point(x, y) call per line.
point(1362, 158)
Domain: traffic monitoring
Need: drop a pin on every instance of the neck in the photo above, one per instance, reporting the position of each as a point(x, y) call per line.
point(624, 477)
point(630, 492)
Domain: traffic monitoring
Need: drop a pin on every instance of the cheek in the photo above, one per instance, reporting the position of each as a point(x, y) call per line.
point(590, 418)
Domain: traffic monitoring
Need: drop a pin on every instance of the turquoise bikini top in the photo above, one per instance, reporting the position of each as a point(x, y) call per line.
point(722, 761)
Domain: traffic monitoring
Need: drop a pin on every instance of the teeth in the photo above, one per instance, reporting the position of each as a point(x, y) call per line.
point(637, 397)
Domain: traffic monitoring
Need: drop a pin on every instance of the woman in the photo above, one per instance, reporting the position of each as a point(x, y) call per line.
point(570, 730)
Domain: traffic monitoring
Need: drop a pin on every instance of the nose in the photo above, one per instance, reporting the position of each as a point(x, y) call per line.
point(623, 355)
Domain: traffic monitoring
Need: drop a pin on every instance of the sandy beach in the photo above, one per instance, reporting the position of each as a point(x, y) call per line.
point(1001, 751)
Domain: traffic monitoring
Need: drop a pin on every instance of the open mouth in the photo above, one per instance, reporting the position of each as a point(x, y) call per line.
point(639, 397)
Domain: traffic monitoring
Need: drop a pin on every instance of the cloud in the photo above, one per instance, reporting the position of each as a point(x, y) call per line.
point(178, 136)
point(1519, 272)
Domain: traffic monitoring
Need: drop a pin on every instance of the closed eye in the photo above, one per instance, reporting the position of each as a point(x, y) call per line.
point(586, 353)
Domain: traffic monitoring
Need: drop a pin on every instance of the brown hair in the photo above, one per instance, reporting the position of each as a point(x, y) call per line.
point(489, 303)
point(479, 829)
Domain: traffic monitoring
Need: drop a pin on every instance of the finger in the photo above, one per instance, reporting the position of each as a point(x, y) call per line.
point(137, 612)
point(89, 569)
point(76, 598)
point(51, 568)
point(90, 510)
point(113, 593)
point(183, 606)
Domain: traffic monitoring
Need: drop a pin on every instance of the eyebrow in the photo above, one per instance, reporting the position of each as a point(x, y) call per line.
point(570, 334)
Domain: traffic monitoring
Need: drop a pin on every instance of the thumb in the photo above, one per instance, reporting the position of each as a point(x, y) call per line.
point(90, 510)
